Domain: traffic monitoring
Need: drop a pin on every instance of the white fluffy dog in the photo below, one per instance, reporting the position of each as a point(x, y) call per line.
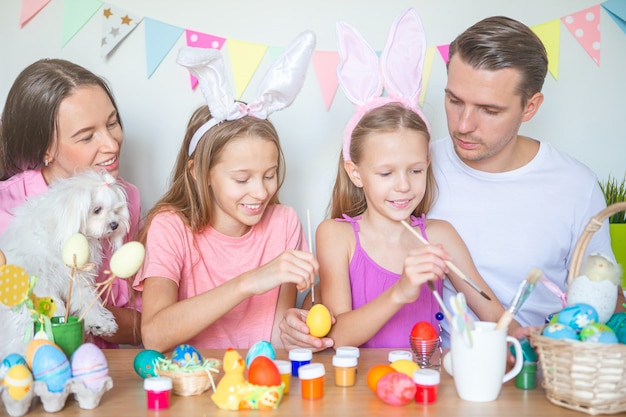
point(92, 203)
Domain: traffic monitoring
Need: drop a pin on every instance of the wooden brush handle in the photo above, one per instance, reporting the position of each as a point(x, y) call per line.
point(505, 320)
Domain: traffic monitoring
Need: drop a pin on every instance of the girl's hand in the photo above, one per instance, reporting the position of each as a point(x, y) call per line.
point(292, 266)
point(294, 333)
point(426, 263)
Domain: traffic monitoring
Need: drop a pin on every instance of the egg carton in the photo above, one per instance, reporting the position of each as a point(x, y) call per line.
point(55, 401)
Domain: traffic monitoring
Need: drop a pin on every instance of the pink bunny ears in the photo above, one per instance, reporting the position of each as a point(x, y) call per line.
point(362, 78)
point(278, 89)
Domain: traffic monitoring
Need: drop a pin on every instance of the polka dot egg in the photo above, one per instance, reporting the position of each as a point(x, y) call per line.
point(186, 355)
point(145, 362)
point(559, 331)
point(90, 366)
point(598, 333)
point(578, 316)
point(52, 366)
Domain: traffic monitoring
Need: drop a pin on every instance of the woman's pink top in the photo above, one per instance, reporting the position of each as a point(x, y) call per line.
point(368, 280)
point(201, 262)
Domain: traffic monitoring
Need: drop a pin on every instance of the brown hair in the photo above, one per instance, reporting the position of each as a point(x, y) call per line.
point(191, 197)
point(350, 199)
point(500, 42)
point(29, 118)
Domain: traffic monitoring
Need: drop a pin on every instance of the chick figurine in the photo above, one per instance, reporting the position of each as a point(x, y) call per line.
point(45, 306)
point(233, 387)
point(596, 286)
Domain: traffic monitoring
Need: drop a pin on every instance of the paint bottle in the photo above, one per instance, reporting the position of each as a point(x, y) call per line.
point(298, 358)
point(284, 368)
point(158, 392)
point(395, 355)
point(427, 381)
point(312, 380)
point(345, 370)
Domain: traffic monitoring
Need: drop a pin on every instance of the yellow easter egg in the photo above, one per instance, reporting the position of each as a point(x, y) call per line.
point(18, 381)
point(126, 261)
point(318, 320)
point(405, 366)
point(13, 285)
point(76, 250)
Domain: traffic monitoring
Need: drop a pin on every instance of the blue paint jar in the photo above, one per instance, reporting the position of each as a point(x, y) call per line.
point(298, 358)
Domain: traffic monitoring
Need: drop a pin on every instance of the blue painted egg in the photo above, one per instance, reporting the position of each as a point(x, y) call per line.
point(10, 361)
point(598, 333)
point(145, 362)
point(186, 355)
point(262, 348)
point(578, 316)
point(617, 323)
point(559, 331)
point(90, 366)
point(52, 366)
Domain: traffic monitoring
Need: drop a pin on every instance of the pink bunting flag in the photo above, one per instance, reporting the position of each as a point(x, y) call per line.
point(585, 27)
point(444, 51)
point(325, 64)
point(30, 8)
point(202, 40)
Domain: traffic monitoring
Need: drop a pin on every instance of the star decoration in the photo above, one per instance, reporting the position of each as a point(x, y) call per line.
point(108, 13)
point(126, 20)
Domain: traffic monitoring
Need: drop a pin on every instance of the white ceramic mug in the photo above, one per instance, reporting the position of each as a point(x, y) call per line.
point(478, 370)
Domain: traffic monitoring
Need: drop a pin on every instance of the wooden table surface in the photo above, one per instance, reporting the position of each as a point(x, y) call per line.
point(127, 397)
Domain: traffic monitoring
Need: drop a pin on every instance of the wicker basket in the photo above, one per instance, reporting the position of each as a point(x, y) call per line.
point(191, 383)
point(584, 376)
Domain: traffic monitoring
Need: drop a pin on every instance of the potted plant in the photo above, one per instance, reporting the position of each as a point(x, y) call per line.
point(615, 192)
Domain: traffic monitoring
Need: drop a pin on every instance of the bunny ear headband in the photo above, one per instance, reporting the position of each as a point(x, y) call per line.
point(278, 89)
point(400, 70)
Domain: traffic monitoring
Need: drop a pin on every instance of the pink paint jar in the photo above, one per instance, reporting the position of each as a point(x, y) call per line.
point(158, 392)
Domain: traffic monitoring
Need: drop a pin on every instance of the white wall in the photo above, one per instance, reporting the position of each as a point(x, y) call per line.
point(583, 113)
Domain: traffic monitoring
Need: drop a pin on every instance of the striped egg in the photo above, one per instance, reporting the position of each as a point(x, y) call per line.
point(90, 366)
point(51, 366)
point(33, 346)
point(18, 381)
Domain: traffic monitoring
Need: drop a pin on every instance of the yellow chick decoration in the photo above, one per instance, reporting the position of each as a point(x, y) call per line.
point(43, 305)
point(233, 386)
point(597, 286)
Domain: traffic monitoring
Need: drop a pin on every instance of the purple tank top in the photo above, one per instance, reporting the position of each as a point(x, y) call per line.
point(368, 280)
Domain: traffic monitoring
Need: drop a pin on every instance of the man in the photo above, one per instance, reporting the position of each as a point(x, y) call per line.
point(517, 203)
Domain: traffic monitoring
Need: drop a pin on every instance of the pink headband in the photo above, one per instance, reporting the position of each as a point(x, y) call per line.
point(278, 89)
point(362, 77)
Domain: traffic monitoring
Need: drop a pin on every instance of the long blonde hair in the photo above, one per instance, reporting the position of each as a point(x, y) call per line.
point(350, 199)
point(191, 197)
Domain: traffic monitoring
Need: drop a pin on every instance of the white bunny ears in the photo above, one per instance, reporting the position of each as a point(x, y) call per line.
point(400, 71)
point(278, 89)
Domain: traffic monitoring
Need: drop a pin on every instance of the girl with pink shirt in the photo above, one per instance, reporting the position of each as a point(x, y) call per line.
point(223, 258)
point(60, 118)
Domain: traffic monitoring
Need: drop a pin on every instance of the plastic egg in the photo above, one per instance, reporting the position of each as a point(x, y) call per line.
point(598, 333)
point(51, 366)
point(186, 355)
point(145, 363)
point(76, 250)
point(396, 388)
point(18, 381)
point(33, 346)
point(262, 348)
point(126, 261)
point(263, 371)
point(578, 316)
point(319, 320)
point(90, 366)
point(559, 331)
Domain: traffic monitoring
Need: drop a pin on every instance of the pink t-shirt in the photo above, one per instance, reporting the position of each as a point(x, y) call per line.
point(202, 262)
point(15, 191)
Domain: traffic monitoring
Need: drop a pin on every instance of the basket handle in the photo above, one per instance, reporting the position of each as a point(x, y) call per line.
point(594, 224)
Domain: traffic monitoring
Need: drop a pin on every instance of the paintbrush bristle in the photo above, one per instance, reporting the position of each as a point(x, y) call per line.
point(534, 276)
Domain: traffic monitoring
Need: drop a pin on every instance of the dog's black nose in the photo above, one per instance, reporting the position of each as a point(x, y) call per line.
point(114, 225)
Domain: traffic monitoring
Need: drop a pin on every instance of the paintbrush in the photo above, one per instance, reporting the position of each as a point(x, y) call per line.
point(450, 265)
point(444, 310)
point(526, 287)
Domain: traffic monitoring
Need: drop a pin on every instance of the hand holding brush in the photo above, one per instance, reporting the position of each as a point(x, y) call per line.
point(524, 290)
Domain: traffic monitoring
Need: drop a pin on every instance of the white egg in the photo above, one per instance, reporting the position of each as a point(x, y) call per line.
point(126, 261)
point(76, 246)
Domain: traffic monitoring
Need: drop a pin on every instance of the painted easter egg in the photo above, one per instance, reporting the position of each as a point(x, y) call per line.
point(18, 381)
point(51, 366)
point(559, 331)
point(33, 346)
point(598, 333)
point(319, 320)
point(262, 348)
point(145, 363)
point(617, 323)
point(424, 330)
point(578, 316)
point(405, 366)
point(186, 355)
point(263, 371)
point(14, 285)
point(396, 388)
point(10, 361)
point(89, 365)
point(75, 251)
point(126, 261)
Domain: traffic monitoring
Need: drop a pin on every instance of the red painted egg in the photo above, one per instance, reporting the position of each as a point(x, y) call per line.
point(263, 371)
